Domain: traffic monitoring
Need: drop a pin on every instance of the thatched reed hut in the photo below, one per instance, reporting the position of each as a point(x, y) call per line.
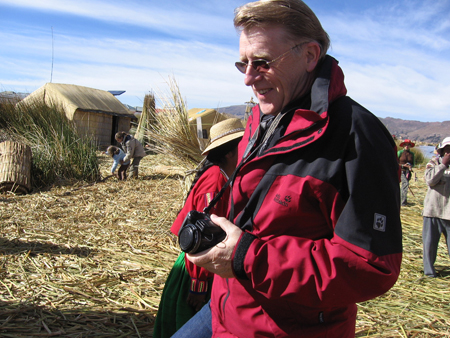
point(201, 120)
point(95, 112)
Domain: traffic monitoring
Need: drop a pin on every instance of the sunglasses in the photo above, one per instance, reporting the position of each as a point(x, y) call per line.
point(261, 65)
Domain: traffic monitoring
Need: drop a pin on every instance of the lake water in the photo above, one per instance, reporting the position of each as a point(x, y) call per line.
point(427, 151)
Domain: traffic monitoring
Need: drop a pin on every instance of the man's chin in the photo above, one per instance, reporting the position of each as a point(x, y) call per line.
point(268, 109)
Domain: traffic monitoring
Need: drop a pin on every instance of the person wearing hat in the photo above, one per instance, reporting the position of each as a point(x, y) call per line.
point(406, 163)
point(436, 206)
point(188, 287)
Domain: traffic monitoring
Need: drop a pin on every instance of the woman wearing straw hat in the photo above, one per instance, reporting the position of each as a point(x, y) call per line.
point(436, 206)
point(188, 286)
point(406, 162)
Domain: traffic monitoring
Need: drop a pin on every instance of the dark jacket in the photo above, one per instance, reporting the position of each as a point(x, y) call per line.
point(320, 206)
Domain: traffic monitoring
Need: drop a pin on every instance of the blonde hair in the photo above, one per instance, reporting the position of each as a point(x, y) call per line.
point(295, 16)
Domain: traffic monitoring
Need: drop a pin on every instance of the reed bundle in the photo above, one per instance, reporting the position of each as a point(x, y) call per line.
point(169, 133)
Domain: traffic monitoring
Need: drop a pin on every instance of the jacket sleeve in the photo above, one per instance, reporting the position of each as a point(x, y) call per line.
point(129, 150)
point(203, 192)
point(360, 259)
point(434, 172)
point(199, 277)
point(115, 164)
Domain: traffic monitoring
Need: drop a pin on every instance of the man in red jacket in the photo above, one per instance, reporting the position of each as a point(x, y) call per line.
point(314, 223)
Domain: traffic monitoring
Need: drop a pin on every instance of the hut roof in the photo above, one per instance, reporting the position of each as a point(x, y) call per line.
point(209, 116)
point(72, 97)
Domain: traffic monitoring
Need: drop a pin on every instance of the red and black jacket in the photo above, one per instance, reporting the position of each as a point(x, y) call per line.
point(320, 209)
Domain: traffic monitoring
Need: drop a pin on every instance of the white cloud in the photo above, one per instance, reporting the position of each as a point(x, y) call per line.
point(205, 72)
point(147, 14)
point(395, 58)
point(394, 54)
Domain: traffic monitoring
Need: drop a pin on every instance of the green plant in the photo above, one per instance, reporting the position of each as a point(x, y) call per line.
point(59, 153)
point(419, 158)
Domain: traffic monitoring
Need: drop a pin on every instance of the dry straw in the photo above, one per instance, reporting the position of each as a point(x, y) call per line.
point(88, 260)
point(169, 133)
point(91, 260)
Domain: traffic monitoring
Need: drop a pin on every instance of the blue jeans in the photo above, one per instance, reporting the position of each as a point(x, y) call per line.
point(199, 326)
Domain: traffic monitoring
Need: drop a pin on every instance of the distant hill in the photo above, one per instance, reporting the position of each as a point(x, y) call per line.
point(425, 132)
point(238, 111)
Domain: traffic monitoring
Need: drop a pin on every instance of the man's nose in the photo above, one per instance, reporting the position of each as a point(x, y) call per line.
point(251, 75)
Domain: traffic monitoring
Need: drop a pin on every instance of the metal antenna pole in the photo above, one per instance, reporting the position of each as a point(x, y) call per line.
point(51, 74)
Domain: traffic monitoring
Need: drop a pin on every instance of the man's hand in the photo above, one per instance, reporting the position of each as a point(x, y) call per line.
point(446, 159)
point(218, 258)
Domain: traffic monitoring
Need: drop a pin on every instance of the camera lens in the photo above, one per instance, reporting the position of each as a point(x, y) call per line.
point(189, 238)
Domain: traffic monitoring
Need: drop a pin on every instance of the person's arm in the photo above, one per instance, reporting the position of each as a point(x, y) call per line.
point(200, 276)
point(434, 171)
point(115, 164)
point(207, 187)
point(129, 150)
point(198, 287)
point(204, 191)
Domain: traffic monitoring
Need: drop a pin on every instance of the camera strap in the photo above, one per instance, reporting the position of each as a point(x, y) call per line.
point(248, 154)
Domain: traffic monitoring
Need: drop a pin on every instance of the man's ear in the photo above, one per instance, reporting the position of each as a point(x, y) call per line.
point(312, 53)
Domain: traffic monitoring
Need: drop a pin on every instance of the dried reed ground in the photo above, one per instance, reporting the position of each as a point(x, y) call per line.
point(90, 260)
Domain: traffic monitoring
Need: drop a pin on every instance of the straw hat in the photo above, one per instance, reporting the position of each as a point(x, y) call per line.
point(224, 132)
point(405, 142)
point(441, 145)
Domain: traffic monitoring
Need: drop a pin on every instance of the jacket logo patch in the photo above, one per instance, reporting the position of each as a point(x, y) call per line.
point(284, 202)
point(379, 222)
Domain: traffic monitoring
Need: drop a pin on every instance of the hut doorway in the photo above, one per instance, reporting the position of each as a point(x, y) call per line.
point(114, 129)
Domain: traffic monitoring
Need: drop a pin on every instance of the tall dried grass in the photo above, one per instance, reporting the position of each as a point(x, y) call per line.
point(170, 133)
point(59, 153)
point(146, 118)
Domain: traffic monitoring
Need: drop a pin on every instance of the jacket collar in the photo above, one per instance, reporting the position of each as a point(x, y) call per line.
point(309, 113)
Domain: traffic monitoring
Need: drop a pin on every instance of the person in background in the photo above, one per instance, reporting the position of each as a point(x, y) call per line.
point(406, 163)
point(133, 150)
point(314, 222)
point(188, 287)
point(118, 155)
point(436, 206)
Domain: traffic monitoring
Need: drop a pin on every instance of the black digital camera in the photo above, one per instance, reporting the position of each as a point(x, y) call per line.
point(198, 233)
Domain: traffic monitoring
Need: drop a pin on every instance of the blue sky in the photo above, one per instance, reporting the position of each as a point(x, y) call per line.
point(395, 54)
